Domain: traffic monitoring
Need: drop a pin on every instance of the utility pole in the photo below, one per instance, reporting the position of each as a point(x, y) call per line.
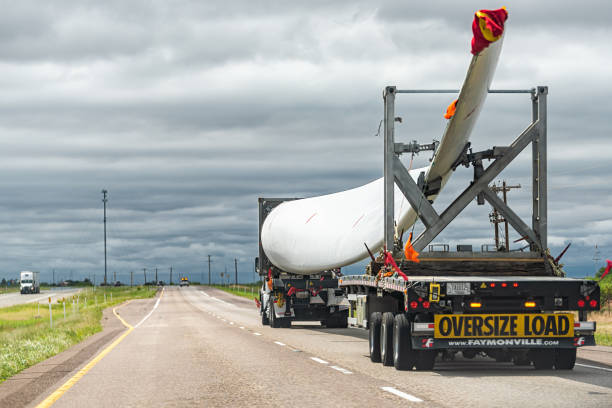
point(114, 276)
point(496, 218)
point(236, 269)
point(208, 270)
point(53, 277)
point(170, 275)
point(131, 278)
point(144, 270)
point(104, 200)
point(156, 276)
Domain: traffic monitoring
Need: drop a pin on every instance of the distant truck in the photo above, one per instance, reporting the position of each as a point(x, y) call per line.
point(285, 296)
point(184, 281)
point(29, 282)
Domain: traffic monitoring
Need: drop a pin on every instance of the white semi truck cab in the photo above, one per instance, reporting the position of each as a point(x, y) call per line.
point(29, 282)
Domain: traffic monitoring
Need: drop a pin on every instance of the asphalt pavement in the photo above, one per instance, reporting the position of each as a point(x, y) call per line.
point(204, 347)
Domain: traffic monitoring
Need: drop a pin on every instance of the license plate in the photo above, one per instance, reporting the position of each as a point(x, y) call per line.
point(503, 325)
point(458, 288)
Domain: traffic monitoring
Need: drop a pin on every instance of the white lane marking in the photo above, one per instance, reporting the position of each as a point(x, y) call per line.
point(242, 327)
point(219, 300)
point(257, 334)
point(223, 320)
point(318, 360)
point(342, 370)
point(231, 322)
point(279, 343)
point(596, 367)
point(292, 349)
point(205, 294)
point(151, 312)
point(401, 394)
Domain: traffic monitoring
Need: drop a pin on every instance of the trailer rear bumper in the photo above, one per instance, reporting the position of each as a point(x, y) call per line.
point(430, 343)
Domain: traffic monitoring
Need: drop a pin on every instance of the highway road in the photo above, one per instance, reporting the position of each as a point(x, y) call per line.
point(203, 347)
point(16, 298)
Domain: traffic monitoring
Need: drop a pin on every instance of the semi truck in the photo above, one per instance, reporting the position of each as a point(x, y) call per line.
point(29, 282)
point(288, 296)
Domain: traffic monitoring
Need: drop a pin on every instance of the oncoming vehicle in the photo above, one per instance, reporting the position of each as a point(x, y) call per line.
point(29, 282)
point(184, 281)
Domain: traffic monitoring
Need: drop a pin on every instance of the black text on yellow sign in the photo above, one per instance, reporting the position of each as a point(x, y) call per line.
point(504, 325)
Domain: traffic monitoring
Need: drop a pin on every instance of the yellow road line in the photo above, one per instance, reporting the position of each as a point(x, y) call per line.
point(50, 400)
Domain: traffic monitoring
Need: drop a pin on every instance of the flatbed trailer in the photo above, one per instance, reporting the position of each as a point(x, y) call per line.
point(285, 297)
point(510, 305)
point(522, 319)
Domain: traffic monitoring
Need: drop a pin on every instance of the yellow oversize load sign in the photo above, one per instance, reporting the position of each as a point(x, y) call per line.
point(503, 325)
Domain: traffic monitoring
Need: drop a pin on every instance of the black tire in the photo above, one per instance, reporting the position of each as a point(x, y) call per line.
point(336, 321)
point(374, 326)
point(386, 339)
point(565, 359)
point(543, 359)
point(275, 322)
point(404, 357)
point(286, 323)
point(521, 358)
point(503, 357)
point(265, 321)
point(426, 359)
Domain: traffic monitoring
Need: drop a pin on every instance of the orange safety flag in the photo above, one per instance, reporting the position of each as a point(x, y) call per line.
point(450, 111)
point(409, 252)
point(488, 27)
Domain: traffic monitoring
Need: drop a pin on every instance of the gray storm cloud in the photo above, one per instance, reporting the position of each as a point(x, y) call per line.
point(188, 111)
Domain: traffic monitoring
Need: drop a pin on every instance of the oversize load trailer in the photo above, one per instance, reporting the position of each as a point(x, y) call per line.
point(510, 318)
point(511, 306)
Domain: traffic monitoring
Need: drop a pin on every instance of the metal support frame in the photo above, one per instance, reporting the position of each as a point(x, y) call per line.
point(395, 172)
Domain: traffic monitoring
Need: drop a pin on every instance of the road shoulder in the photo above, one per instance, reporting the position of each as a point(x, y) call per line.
point(27, 386)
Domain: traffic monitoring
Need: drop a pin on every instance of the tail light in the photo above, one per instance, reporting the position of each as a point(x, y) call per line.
point(593, 303)
point(581, 303)
point(475, 304)
point(515, 284)
point(530, 303)
point(426, 304)
point(414, 304)
point(504, 284)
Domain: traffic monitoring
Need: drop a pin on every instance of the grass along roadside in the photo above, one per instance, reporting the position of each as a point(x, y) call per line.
point(603, 333)
point(26, 337)
point(249, 291)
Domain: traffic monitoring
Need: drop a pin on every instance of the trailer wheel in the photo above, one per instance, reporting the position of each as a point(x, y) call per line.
point(264, 317)
point(275, 322)
point(565, 359)
point(404, 357)
point(521, 358)
point(543, 359)
point(386, 339)
point(374, 325)
point(426, 359)
point(337, 320)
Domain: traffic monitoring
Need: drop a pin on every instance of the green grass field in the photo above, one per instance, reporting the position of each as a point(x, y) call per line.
point(249, 291)
point(26, 337)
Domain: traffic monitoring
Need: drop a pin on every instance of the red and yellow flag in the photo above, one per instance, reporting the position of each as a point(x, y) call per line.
point(488, 27)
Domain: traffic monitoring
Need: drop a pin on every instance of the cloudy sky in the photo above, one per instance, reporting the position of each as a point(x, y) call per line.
point(188, 111)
